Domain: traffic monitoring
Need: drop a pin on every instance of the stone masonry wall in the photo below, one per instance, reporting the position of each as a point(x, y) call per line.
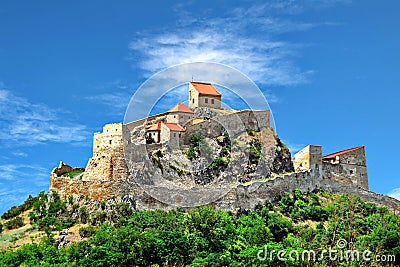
point(349, 168)
point(106, 177)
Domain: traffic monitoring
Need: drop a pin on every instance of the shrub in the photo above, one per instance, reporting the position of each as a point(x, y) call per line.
point(83, 215)
point(70, 200)
point(14, 223)
point(219, 162)
point(15, 211)
point(251, 132)
point(159, 154)
point(87, 231)
point(1, 228)
point(195, 141)
point(255, 152)
point(103, 205)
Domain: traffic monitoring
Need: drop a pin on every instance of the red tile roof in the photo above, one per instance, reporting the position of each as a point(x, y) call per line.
point(205, 88)
point(174, 127)
point(181, 108)
point(332, 156)
point(155, 127)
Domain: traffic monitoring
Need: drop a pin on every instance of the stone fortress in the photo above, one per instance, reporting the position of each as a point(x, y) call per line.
point(107, 175)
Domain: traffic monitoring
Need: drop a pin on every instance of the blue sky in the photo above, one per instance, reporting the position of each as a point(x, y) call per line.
point(329, 69)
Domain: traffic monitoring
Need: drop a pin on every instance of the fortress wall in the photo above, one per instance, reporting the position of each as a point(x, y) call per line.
point(245, 196)
point(255, 120)
point(352, 175)
point(263, 118)
point(95, 190)
point(356, 157)
point(368, 196)
point(61, 169)
point(248, 196)
point(207, 128)
point(234, 123)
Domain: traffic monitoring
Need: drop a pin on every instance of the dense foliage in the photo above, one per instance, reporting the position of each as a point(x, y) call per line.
point(15, 211)
point(207, 237)
point(14, 223)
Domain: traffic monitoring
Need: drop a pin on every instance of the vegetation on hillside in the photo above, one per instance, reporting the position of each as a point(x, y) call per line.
point(294, 223)
point(15, 211)
point(73, 174)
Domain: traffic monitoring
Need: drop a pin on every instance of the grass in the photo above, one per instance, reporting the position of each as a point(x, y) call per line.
point(17, 237)
point(72, 174)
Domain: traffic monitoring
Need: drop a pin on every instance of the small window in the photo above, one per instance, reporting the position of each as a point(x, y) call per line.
point(351, 172)
point(180, 135)
point(174, 134)
point(174, 116)
point(205, 100)
point(110, 142)
point(212, 101)
point(193, 100)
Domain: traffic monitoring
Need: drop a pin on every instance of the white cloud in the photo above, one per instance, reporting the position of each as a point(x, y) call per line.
point(19, 180)
point(19, 154)
point(395, 193)
point(116, 101)
point(16, 171)
point(244, 40)
point(26, 123)
point(298, 6)
point(114, 96)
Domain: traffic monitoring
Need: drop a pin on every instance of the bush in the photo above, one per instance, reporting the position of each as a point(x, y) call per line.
point(255, 152)
point(194, 147)
point(87, 231)
point(83, 215)
point(15, 211)
point(103, 205)
point(1, 228)
point(251, 132)
point(15, 223)
point(219, 162)
point(51, 213)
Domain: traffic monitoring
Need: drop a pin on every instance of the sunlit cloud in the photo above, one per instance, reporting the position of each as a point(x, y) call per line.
point(26, 123)
point(262, 56)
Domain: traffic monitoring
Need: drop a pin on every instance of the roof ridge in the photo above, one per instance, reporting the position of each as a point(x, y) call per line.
point(180, 107)
point(341, 152)
point(205, 88)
